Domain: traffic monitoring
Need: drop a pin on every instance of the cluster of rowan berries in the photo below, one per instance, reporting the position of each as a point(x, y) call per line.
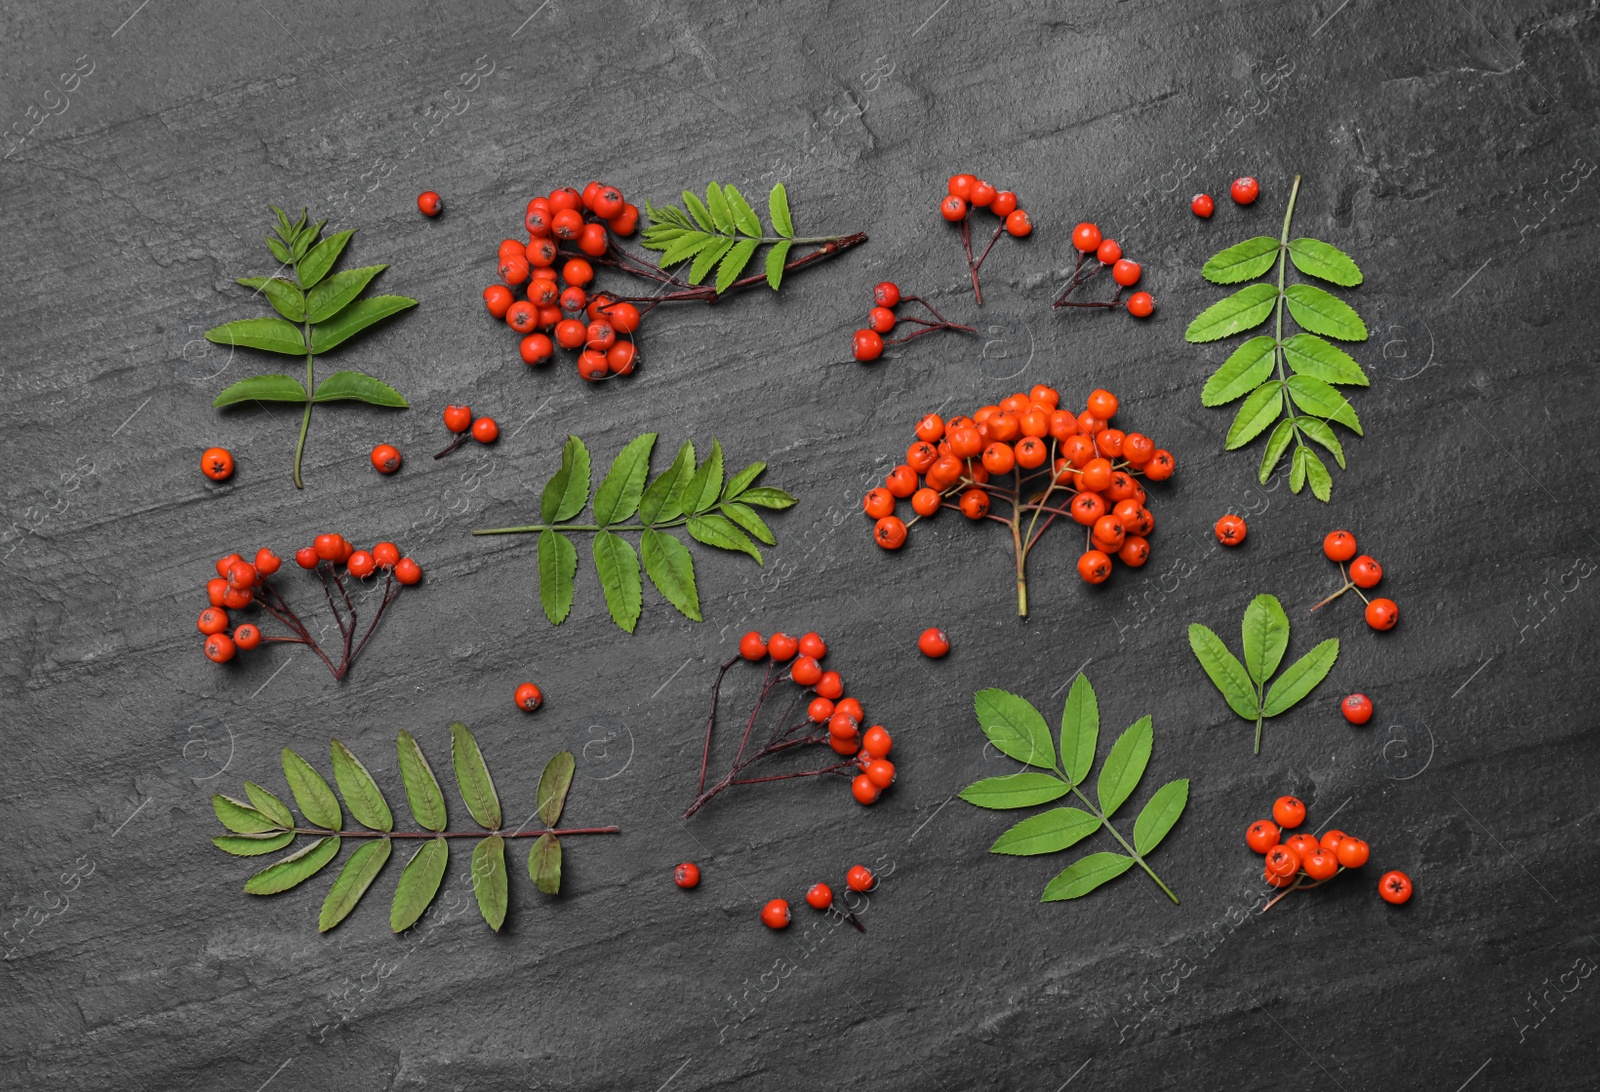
point(1302, 861)
point(1364, 572)
point(459, 420)
point(1087, 240)
point(951, 464)
point(596, 324)
point(868, 343)
point(1244, 191)
point(965, 192)
point(819, 896)
point(843, 716)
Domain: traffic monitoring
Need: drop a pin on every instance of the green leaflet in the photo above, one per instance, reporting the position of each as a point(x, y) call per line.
point(618, 496)
point(422, 787)
point(279, 251)
point(252, 845)
point(1322, 312)
point(1297, 470)
point(315, 799)
point(1224, 670)
point(776, 257)
point(472, 777)
point(553, 786)
point(1315, 258)
point(240, 817)
point(1256, 414)
point(273, 335)
point(1277, 444)
point(661, 501)
point(285, 298)
point(1247, 368)
point(723, 232)
point(707, 258)
point(1322, 434)
point(329, 298)
point(717, 202)
point(353, 880)
point(1317, 474)
point(1244, 310)
point(744, 217)
point(359, 387)
point(618, 568)
point(778, 211)
point(1079, 879)
point(315, 265)
point(1308, 354)
point(558, 564)
point(356, 318)
point(742, 481)
point(1242, 262)
point(262, 388)
point(1080, 730)
point(489, 880)
point(719, 531)
point(733, 263)
point(702, 488)
point(1300, 678)
point(767, 497)
point(1160, 815)
point(361, 794)
point(748, 521)
point(1265, 633)
point(293, 869)
point(1124, 766)
point(544, 864)
point(671, 569)
point(1022, 790)
point(269, 805)
point(1048, 832)
point(1320, 399)
point(419, 884)
point(1014, 727)
point(567, 491)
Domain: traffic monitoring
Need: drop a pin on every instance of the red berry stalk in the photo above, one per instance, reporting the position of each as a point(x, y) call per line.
point(967, 192)
point(241, 584)
point(1086, 240)
point(869, 343)
point(1059, 465)
point(830, 719)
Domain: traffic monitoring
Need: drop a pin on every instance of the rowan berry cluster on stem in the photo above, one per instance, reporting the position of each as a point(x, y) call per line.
point(1303, 861)
point(1364, 572)
point(1087, 240)
point(829, 719)
point(1060, 465)
point(869, 343)
point(240, 584)
point(966, 193)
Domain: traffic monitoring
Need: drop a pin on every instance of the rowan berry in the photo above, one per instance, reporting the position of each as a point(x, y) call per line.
point(216, 588)
point(361, 564)
point(346, 548)
point(880, 772)
point(998, 458)
point(865, 792)
point(831, 685)
point(522, 316)
point(1261, 835)
point(241, 574)
point(1331, 839)
point(890, 533)
point(1086, 508)
point(931, 428)
point(752, 647)
point(1137, 448)
point(867, 346)
point(880, 320)
point(510, 246)
point(1077, 449)
point(953, 208)
point(485, 431)
point(407, 571)
point(1141, 304)
point(536, 349)
point(1135, 551)
point(329, 547)
point(1282, 861)
point(805, 670)
point(1382, 614)
point(982, 194)
point(247, 636)
point(537, 217)
point(624, 222)
point(457, 418)
point(1109, 251)
point(842, 725)
point(1230, 530)
point(1108, 534)
point(219, 648)
point(877, 741)
point(1126, 273)
point(960, 185)
point(1031, 452)
point(528, 697)
point(1303, 844)
point(386, 554)
point(599, 335)
point(1275, 880)
point(686, 875)
point(846, 747)
point(1365, 572)
point(1086, 237)
point(541, 254)
point(514, 269)
point(624, 317)
point(497, 298)
point(566, 224)
point(593, 365)
point(1161, 465)
point(944, 473)
point(216, 463)
point(306, 557)
point(820, 710)
point(782, 647)
point(819, 896)
point(1097, 474)
point(577, 271)
point(428, 202)
point(900, 482)
point(860, 878)
point(1245, 190)
point(1320, 864)
point(1357, 708)
point(1202, 205)
point(592, 240)
point(1019, 224)
point(1339, 546)
point(1094, 566)
point(1352, 852)
point(1288, 812)
point(572, 300)
point(933, 643)
point(1394, 888)
point(212, 620)
point(921, 455)
point(775, 915)
point(974, 503)
point(1004, 203)
point(237, 598)
point(386, 458)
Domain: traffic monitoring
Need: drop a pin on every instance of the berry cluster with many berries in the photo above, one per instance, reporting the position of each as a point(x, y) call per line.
point(1303, 861)
point(240, 584)
point(1340, 546)
point(829, 718)
point(1061, 465)
point(868, 343)
point(966, 192)
point(1087, 240)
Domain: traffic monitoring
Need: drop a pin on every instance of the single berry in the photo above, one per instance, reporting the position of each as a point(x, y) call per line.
point(535, 349)
point(974, 503)
point(933, 643)
point(843, 725)
point(1141, 304)
point(877, 741)
point(1245, 190)
point(212, 620)
point(1125, 273)
point(752, 647)
point(1202, 205)
point(386, 554)
point(880, 320)
point(1353, 852)
point(1365, 572)
point(1230, 530)
point(819, 896)
point(329, 547)
point(1320, 864)
point(1261, 835)
point(1288, 812)
point(1086, 237)
point(1332, 838)
point(217, 464)
point(878, 503)
point(782, 647)
point(851, 708)
point(622, 357)
point(1161, 465)
point(1109, 252)
point(961, 185)
point(1282, 861)
point(1019, 224)
point(1303, 844)
point(1394, 888)
point(529, 697)
point(860, 878)
point(429, 203)
point(830, 686)
point(361, 565)
point(805, 671)
point(1357, 708)
point(880, 772)
point(216, 588)
point(485, 431)
point(458, 418)
point(775, 915)
point(686, 875)
point(1382, 614)
point(407, 571)
point(1339, 546)
point(983, 194)
point(953, 208)
point(386, 458)
point(867, 346)
point(1094, 566)
point(498, 299)
point(247, 636)
point(890, 533)
point(812, 644)
point(306, 557)
point(1004, 203)
point(865, 792)
point(886, 294)
point(219, 648)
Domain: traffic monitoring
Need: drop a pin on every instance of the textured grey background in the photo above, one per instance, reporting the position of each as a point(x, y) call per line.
point(1448, 144)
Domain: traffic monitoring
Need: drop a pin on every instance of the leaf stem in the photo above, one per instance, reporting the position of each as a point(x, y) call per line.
point(305, 419)
point(1277, 341)
point(453, 833)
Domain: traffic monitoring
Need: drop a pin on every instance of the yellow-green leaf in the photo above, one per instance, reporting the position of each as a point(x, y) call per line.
point(778, 210)
point(1242, 262)
point(472, 776)
point(293, 869)
point(1256, 414)
point(1249, 366)
point(262, 388)
point(361, 794)
point(315, 799)
point(553, 786)
point(419, 883)
point(1021, 790)
point(274, 335)
point(544, 864)
point(355, 318)
point(422, 787)
point(489, 880)
point(1048, 832)
point(1244, 310)
point(1315, 258)
point(1324, 313)
point(353, 880)
point(1160, 815)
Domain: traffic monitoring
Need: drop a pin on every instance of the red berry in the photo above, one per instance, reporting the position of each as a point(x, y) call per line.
point(961, 185)
point(565, 197)
point(622, 357)
point(1288, 812)
point(878, 503)
point(485, 431)
point(599, 335)
point(1018, 224)
point(877, 741)
point(843, 724)
point(407, 571)
point(1339, 546)
point(429, 203)
point(212, 620)
point(1282, 861)
point(933, 643)
point(812, 644)
point(865, 792)
point(1109, 252)
point(267, 562)
point(982, 194)
point(1332, 838)
point(306, 557)
point(216, 588)
point(216, 463)
point(1320, 864)
point(880, 320)
point(953, 208)
point(1125, 273)
point(386, 458)
point(541, 255)
point(1357, 708)
point(528, 698)
point(1086, 237)
point(1245, 190)
point(1365, 572)
point(522, 316)
point(607, 202)
point(1352, 852)
point(1394, 888)
point(819, 896)
point(536, 349)
point(866, 346)
point(247, 636)
point(820, 711)
point(219, 648)
point(1262, 835)
point(386, 554)
point(458, 418)
point(329, 547)
point(1141, 304)
point(880, 772)
point(782, 647)
point(775, 915)
point(1230, 530)
point(752, 647)
point(577, 271)
point(1382, 614)
point(686, 875)
point(1094, 566)
point(1302, 844)
point(626, 221)
point(830, 685)
point(890, 533)
point(1004, 203)
point(1202, 205)
point(566, 224)
point(860, 878)
point(497, 298)
point(1161, 465)
point(361, 565)
point(805, 671)
point(624, 317)
point(886, 294)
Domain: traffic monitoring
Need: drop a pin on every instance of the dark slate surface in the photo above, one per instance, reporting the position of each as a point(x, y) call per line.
point(1448, 145)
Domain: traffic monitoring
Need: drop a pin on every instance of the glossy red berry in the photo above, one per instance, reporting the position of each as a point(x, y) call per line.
point(1382, 614)
point(306, 557)
point(812, 644)
point(216, 463)
point(1245, 190)
point(1125, 272)
point(775, 915)
point(1262, 835)
point(933, 643)
point(983, 194)
point(886, 294)
point(458, 418)
point(880, 320)
point(782, 647)
point(407, 571)
point(386, 554)
point(216, 588)
point(536, 349)
point(805, 671)
point(1019, 224)
point(878, 503)
point(877, 741)
point(1230, 530)
point(867, 346)
point(686, 875)
point(819, 896)
point(1365, 572)
point(880, 772)
point(1094, 567)
point(1357, 708)
point(1339, 546)
point(1394, 888)
point(219, 648)
point(830, 686)
point(1109, 252)
point(1332, 838)
point(1086, 237)
point(865, 792)
point(1320, 864)
point(498, 299)
point(212, 620)
point(528, 697)
point(953, 208)
point(361, 565)
point(329, 547)
point(1004, 203)
point(386, 458)
point(429, 203)
point(1202, 205)
point(1282, 861)
point(890, 533)
point(1353, 852)
point(247, 636)
point(960, 185)
point(860, 878)
point(485, 431)
point(752, 647)
point(1141, 305)
point(1288, 812)
point(1303, 845)
point(267, 562)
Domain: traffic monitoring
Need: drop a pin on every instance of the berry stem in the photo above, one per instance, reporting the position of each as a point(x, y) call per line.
point(457, 442)
point(716, 692)
point(1347, 586)
point(966, 245)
